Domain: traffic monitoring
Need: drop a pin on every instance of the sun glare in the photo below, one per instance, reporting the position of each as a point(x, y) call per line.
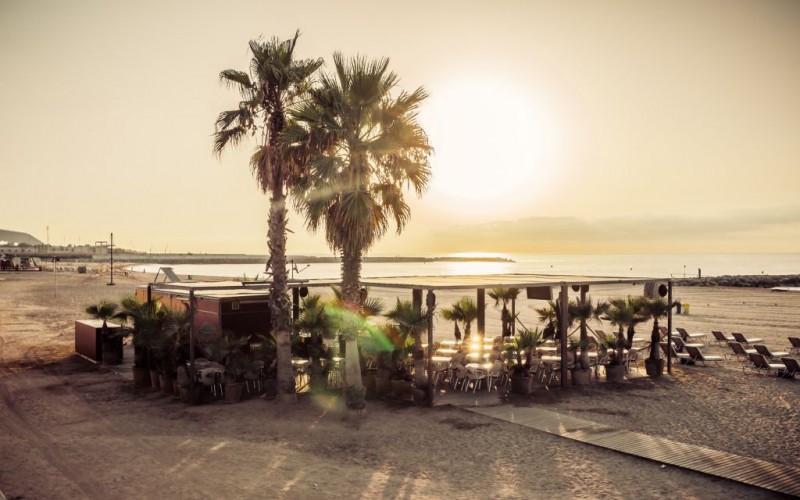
point(493, 144)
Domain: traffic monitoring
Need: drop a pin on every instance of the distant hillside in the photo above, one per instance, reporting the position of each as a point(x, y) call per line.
point(12, 237)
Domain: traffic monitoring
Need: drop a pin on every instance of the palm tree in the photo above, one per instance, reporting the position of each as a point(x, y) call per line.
point(624, 313)
point(365, 146)
point(551, 316)
point(112, 345)
point(583, 311)
point(504, 296)
point(274, 82)
point(105, 310)
point(455, 314)
point(655, 308)
point(469, 311)
point(148, 320)
point(410, 321)
point(314, 321)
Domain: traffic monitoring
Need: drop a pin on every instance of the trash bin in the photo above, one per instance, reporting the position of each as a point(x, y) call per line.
point(686, 309)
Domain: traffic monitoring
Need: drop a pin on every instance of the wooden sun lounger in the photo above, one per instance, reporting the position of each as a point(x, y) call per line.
point(761, 365)
point(696, 355)
point(762, 349)
point(744, 340)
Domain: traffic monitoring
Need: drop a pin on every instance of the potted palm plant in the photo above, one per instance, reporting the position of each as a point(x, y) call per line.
point(314, 321)
point(410, 322)
point(147, 323)
point(525, 343)
point(583, 310)
point(229, 351)
point(111, 339)
point(624, 313)
point(655, 308)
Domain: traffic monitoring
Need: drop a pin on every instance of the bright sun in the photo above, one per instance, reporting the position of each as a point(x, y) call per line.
point(493, 145)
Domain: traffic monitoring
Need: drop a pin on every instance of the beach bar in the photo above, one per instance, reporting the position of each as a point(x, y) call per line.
point(537, 286)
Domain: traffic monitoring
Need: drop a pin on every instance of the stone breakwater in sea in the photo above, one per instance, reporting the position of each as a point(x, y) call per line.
point(751, 281)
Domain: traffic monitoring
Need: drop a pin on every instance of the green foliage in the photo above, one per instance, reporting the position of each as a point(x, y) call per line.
point(228, 350)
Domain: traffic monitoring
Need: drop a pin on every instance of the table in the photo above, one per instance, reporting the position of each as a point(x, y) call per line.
point(441, 359)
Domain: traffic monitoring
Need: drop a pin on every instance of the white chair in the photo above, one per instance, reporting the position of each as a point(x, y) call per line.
point(458, 375)
point(475, 376)
point(495, 375)
point(211, 376)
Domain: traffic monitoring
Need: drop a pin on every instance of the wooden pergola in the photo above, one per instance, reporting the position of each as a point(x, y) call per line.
point(537, 286)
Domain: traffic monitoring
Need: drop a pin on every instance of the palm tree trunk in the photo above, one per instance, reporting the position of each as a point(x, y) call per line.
point(280, 305)
point(620, 345)
point(655, 337)
point(351, 294)
point(584, 346)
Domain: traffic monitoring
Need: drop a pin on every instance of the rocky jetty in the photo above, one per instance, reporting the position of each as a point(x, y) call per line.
point(751, 281)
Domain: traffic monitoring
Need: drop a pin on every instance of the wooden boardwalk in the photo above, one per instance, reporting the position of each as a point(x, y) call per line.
point(751, 471)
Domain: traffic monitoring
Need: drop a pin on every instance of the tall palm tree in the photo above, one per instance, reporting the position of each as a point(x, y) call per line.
point(274, 82)
point(365, 146)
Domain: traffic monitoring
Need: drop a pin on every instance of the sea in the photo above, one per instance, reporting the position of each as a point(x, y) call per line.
point(623, 266)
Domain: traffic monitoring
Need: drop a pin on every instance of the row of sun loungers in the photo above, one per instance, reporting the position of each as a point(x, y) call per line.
point(757, 356)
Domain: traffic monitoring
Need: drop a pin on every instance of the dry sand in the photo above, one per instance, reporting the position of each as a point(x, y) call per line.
point(74, 430)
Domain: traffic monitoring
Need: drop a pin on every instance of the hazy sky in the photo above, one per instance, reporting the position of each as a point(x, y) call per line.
point(596, 126)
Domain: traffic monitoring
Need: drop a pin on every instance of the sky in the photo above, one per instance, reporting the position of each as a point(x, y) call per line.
point(558, 127)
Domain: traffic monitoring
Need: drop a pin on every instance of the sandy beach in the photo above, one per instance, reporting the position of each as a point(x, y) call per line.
point(71, 429)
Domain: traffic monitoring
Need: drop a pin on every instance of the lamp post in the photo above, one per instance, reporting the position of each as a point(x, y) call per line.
point(111, 248)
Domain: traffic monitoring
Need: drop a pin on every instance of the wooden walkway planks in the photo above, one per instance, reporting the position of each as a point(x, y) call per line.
point(751, 471)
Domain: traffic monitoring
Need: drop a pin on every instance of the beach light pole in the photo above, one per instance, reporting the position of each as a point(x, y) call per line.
point(111, 247)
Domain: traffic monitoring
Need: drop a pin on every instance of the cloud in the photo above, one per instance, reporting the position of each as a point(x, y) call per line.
point(766, 230)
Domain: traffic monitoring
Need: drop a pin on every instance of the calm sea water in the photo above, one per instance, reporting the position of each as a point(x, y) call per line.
point(657, 266)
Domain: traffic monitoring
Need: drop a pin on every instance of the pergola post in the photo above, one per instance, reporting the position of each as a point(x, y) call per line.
point(563, 299)
point(669, 327)
point(431, 303)
point(191, 345)
point(481, 312)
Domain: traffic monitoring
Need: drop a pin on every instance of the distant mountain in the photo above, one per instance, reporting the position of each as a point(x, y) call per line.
point(8, 238)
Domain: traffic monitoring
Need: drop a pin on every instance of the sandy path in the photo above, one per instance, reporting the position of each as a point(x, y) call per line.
point(73, 430)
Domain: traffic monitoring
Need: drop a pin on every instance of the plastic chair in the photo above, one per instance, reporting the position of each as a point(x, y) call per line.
point(495, 375)
point(475, 376)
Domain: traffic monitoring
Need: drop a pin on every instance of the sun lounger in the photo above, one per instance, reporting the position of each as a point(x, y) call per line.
point(680, 345)
point(762, 349)
point(696, 355)
point(761, 365)
point(744, 340)
point(688, 337)
point(721, 338)
point(740, 351)
point(795, 341)
point(792, 367)
point(675, 354)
